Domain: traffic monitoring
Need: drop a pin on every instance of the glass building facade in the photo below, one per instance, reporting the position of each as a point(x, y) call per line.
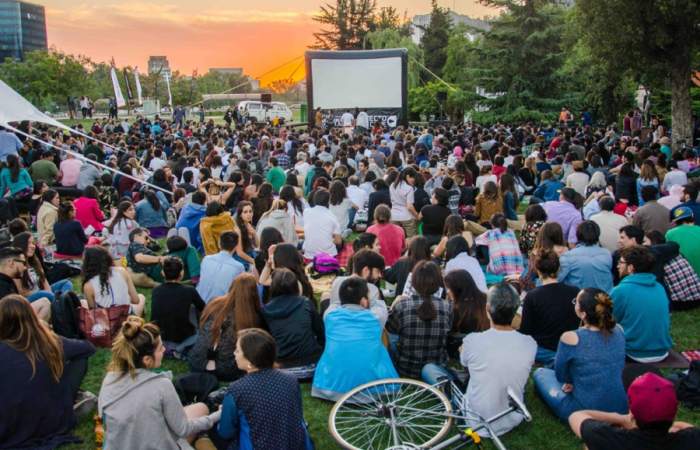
point(22, 29)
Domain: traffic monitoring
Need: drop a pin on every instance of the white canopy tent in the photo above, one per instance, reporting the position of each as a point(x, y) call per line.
point(15, 108)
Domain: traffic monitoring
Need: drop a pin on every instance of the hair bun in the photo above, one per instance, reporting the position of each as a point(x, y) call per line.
point(132, 326)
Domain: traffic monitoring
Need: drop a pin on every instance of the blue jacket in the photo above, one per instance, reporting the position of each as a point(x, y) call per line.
point(354, 353)
point(190, 216)
point(24, 181)
point(640, 306)
point(548, 190)
point(148, 217)
point(587, 266)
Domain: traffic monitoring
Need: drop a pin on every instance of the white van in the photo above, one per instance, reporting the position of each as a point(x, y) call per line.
point(264, 112)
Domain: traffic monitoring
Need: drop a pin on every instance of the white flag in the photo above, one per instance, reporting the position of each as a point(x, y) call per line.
point(138, 85)
point(117, 90)
point(170, 96)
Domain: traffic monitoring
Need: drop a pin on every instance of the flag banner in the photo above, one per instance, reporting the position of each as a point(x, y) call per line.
point(137, 80)
point(170, 95)
point(129, 95)
point(117, 90)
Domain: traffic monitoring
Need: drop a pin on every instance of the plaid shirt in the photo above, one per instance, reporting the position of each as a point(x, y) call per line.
point(682, 280)
point(504, 252)
point(282, 160)
point(420, 342)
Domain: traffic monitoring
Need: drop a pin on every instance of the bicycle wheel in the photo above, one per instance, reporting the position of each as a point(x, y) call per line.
point(390, 413)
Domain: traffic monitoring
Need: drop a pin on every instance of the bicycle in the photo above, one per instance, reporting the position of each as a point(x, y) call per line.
point(405, 414)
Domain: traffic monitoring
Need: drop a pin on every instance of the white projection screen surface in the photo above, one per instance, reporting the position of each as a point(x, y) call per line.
point(362, 83)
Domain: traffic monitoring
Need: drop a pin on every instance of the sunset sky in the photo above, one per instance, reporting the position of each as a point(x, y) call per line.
point(256, 35)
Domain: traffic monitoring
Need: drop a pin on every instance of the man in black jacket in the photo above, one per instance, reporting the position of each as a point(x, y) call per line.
point(13, 263)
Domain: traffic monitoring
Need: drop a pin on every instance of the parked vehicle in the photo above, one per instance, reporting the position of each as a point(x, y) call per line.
point(264, 112)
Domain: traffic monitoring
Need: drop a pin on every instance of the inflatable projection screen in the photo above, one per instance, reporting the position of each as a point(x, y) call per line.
point(370, 80)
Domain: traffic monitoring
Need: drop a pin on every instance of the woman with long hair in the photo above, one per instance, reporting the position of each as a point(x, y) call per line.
point(341, 206)
point(70, 237)
point(286, 256)
point(41, 376)
point(278, 217)
point(647, 177)
point(40, 187)
point(589, 362)
point(222, 318)
point(87, 209)
point(418, 249)
point(262, 201)
point(626, 184)
point(416, 347)
point(105, 284)
point(47, 216)
point(151, 213)
point(15, 181)
point(295, 206)
point(34, 284)
point(457, 257)
point(403, 213)
point(535, 218)
point(139, 406)
point(248, 238)
point(454, 226)
point(509, 193)
point(268, 237)
point(468, 308)
point(488, 202)
point(119, 228)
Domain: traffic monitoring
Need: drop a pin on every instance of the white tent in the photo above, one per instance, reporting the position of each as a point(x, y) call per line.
point(14, 108)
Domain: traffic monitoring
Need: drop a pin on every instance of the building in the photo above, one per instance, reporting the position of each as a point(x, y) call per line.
point(22, 29)
point(238, 71)
point(422, 21)
point(158, 64)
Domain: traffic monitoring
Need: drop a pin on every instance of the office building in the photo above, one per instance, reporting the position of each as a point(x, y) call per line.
point(22, 29)
point(159, 64)
point(422, 21)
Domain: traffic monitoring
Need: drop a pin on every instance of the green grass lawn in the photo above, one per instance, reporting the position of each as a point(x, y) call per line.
point(544, 432)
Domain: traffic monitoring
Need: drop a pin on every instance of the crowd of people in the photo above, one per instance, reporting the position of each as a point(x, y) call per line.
point(340, 256)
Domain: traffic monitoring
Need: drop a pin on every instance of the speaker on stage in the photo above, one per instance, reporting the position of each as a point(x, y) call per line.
point(266, 98)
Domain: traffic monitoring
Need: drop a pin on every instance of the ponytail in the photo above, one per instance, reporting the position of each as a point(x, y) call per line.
point(426, 279)
point(499, 221)
point(135, 340)
point(597, 305)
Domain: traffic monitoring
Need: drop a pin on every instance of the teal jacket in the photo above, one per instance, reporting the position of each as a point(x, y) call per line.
point(640, 306)
point(24, 181)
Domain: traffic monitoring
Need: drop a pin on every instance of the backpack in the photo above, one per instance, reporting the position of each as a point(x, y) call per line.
point(688, 387)
point(64, 316)
point(325, 264)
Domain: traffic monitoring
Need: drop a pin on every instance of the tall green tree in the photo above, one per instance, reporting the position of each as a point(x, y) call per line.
point(655, 38)
point(519, 59)
point(345, 24)
point(435, 38)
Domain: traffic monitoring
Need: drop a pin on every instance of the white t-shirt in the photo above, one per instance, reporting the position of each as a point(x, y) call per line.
point(320, 225)
point(302, 168)
point(157, 163)
point(341, 212)
point(482, 179)
point(363, 120)
point(357, 196)
point(496, 360)
point(465, 262)
point(401, 197)
point(346, 119)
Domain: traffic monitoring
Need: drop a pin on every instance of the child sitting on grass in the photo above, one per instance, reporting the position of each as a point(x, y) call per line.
point(143, 263)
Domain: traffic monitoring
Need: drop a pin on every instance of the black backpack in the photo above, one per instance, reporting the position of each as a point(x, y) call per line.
point(195, 387)
point(688, 388)
point(64, 316)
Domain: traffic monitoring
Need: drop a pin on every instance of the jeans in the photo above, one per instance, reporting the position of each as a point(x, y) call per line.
point(545, 357)
point(58, 288)
point(549, 389)
point(73, 373)
point(434, 373)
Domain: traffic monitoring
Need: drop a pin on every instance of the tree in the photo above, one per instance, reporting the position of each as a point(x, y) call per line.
point(347, 22)
point(435, 38)
point(656, 38)
point(519, 59)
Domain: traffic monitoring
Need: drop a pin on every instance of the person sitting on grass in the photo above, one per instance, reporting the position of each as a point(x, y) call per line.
point(589, 361)
point(68, 233)
point(143, 263)
point(13, 265)
point(41, 373)
point(354, 353)
point(140, 407)
point(105, 284)
point(648, 425)
point(265, 399)
point(219, 270)
point(173, 307)
point(177, 247)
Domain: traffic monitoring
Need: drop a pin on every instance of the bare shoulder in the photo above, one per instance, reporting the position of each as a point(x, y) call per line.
point(570, 338)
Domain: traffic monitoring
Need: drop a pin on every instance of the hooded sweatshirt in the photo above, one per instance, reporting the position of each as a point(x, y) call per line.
point(145, 413)
point(640, 306)
point(297, 328)
point(281, 221)
point(190, 217)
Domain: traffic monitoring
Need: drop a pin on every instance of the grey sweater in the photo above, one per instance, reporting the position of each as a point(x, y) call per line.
point(145, 413)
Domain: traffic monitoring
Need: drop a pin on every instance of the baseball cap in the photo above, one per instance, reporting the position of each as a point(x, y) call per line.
point(681, 213)
point(652, 399)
